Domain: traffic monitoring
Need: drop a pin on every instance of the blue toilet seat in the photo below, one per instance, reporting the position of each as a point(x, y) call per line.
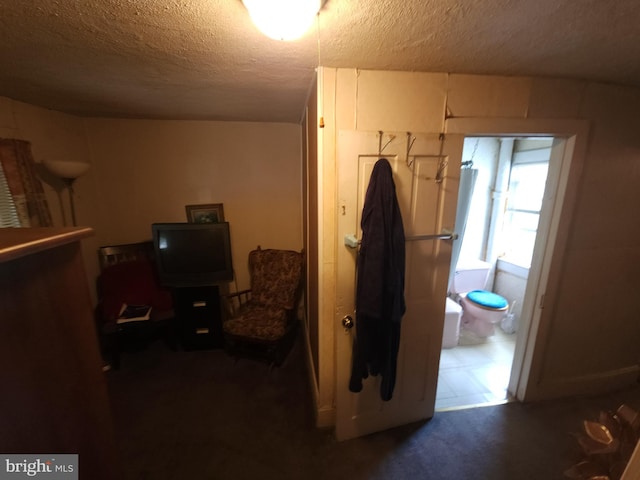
point(488, 300)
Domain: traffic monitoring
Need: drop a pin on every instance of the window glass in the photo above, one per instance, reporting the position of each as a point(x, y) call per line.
point(526, 191)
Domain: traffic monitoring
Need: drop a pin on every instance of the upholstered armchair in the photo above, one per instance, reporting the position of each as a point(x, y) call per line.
point(262, 321)
point(127, 275)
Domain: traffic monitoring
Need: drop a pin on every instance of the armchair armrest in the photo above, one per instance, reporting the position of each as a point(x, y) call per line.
point(233, 302)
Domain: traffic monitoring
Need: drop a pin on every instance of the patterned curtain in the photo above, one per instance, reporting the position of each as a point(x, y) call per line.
point(25, 187)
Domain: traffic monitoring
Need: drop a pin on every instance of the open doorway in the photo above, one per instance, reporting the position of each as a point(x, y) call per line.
point(422, 326)
point(500, 202)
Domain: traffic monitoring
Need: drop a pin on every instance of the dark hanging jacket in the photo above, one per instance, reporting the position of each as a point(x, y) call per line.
point(380, 284)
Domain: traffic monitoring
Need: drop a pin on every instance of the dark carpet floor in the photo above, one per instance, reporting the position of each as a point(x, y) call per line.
point(202, 415)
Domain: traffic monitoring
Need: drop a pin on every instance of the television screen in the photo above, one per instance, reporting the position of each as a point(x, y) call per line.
point(192, 254)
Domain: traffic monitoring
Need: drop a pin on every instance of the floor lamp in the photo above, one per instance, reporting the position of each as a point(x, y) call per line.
point(68, 172)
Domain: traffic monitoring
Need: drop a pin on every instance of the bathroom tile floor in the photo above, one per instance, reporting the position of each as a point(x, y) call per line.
point(476, 371)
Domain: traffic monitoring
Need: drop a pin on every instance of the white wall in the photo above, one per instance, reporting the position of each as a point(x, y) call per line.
point(510, 281)
point(56, 136)
point(149, 170)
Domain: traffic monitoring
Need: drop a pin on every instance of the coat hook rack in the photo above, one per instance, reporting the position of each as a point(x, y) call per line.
point(410, 141)
point(444, 161)
point(380, 146)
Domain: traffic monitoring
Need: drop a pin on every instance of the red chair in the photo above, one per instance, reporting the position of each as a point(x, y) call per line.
point(128, 276)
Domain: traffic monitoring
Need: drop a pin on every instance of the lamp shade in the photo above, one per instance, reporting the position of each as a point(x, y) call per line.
point(66, 169)
point(283, 19)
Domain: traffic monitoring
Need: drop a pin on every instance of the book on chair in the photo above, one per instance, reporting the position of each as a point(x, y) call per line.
point(133, 313)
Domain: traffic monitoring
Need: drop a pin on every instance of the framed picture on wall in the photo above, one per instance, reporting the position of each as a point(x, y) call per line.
point(208, 213)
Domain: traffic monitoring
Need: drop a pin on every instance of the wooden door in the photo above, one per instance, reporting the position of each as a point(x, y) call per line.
point(426, 170)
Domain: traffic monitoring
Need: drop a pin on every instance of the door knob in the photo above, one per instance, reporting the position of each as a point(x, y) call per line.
point(347, 322)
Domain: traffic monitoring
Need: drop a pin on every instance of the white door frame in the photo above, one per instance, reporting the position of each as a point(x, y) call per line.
point(544, 273)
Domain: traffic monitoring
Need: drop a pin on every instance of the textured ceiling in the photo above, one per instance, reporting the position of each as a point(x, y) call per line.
point(203, 59)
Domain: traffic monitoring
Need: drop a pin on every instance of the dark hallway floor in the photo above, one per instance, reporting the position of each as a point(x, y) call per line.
point(201, 415)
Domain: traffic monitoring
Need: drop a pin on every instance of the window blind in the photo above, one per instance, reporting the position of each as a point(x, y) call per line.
point(8, 214)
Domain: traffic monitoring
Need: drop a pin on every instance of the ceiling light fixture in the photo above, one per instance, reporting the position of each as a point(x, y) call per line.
point(283, 19)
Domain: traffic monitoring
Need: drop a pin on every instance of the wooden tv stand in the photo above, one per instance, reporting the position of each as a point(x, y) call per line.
point(198, 313)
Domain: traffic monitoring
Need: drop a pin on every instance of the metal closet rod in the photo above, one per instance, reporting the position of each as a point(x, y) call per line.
point(351, 241)
point(437, 236)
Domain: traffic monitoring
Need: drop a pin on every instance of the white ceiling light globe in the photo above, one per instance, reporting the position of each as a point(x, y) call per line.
point(283, 19)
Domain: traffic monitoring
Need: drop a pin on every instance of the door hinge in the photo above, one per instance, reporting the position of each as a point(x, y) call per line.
point(541, 304)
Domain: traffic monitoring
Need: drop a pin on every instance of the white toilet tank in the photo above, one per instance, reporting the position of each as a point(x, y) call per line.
point(471, 275)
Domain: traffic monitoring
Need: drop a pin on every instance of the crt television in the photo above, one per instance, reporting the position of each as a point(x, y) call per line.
point(192, 254)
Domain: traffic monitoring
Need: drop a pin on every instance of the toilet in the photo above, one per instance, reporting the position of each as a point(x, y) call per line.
point(481, 309)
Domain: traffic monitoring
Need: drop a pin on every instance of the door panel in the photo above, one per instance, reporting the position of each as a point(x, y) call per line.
point(427, 207)
point(424, 195)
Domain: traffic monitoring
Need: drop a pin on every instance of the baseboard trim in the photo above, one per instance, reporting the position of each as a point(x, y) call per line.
point(632, 472)
point(324, 417)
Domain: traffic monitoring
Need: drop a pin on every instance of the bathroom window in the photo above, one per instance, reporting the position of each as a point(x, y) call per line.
point(526, 191)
